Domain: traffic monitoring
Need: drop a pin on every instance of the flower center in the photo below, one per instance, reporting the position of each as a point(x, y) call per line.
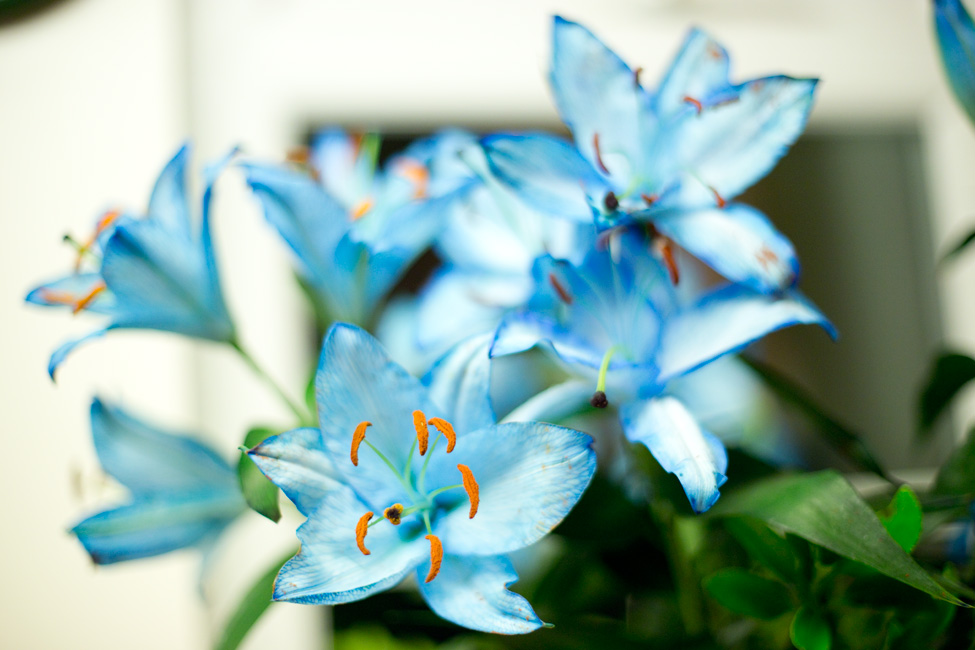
point(423, 501)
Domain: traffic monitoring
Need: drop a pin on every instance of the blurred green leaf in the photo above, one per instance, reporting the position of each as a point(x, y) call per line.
point(902, 518)
point(259, 492)
point(765, 546)
point(957, 474)
point(824, 509)
point(809, 631)
point(957, 249)
point(251, 607)
point(752, 595)
point(949, 375)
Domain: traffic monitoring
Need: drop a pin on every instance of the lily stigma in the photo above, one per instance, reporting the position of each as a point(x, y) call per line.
point(424, 503)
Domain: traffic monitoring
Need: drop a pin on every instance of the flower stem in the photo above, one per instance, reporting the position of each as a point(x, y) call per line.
point(303, 417)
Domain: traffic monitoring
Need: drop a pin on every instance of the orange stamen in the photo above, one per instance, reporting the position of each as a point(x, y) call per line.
point(298, 155)
point(85, 301)
point(470, 486)
point(718, 198)
point(436, 557)
point(357, 438)
point(564, 295)
point(599, 156)
point(664, 248)
point(422, 433)
point(394, 513)
point(417, 174)
point(361, 208)
point(104, 222)
point(447, 429)
point(650, 199)
point(57, 297)
point(361, 529)
point(695, 103)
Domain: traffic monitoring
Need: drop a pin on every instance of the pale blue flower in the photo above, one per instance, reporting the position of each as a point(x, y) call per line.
point(502, 488)
point(956, 38)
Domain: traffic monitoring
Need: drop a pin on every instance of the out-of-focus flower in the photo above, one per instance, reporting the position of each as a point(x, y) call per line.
point(385, 496)
point(182, 492)
point(621, 324)
point(355, 229)
point(674, 158)
point(956, 38)
point(150, 273)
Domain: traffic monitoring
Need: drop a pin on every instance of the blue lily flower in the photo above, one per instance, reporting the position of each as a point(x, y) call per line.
point(149, 273)
point(448, 510)
point(620, 324)
point(354, 229)
point(182, 492)
point(674, 158)
point(956, 38)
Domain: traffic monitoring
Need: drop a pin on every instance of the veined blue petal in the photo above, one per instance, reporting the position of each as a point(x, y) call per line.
point(358, 382)
point(471, 591)
point(168, 203)
point(524, 330)
point(345, 164)
point(727, 320)
point(70, 290)
point(554, 403)
point(699, 70)
point(65, 348)
point(956, 37)
point(329, 569)
point(213, 293)
point(600, 99)
point(738, 242)
point(545, 172)
point(149, 461)
point(530, 476)
point(679, 444)
point(460, 384)
point(296, 461)
point(153, 526)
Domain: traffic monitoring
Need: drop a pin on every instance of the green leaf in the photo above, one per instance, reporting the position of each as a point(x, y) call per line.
point(260, 493)
point(957, 475)
point(948, 376)
point(902, 518)
point(824, 509)
point(765, 546)
point(745, 593)
point(251, 607)
point(956, 250)
point(809, 631)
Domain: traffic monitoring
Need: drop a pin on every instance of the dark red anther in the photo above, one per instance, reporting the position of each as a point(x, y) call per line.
point(695, 103)
point(718, 198)
point(611, 202)
point(649, 198)
point(664, 248)
point(599, 156)
point(564, 295)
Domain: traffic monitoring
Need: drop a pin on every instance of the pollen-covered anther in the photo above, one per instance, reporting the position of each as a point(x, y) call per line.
point(470, 486)
point(599, 156)
point(361, 529)
point(394, 514)
point(664, 249)
point(422, 432)
point(436, 557)
point(560, 290)
point(611, 202)
point(88, 298)
point(447, 429)
point(357, 438)
point(718, 198)
point(695, 103)
point(416, 173)
point(361, 208)
point(650, 199)
point(298, 155)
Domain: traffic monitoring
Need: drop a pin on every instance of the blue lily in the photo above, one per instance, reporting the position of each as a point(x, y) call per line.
point(621, 325)
point(182, 492)
point(355, 229)
point(448, 510)
point(674, 158)
point(148, 273)
point(956, 38)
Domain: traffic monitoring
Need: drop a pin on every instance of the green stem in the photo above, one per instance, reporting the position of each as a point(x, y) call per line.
point(303, 417)
point(604, 368)
point(444, 489)
point(423, 471)
point(686, 583)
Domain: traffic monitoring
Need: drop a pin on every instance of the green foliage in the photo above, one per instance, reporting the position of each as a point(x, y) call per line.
point(749, 594)
point(902, 518)
point(951, 372)
point(776, 553)
point(809, 630)
point(957, 474)
point(956, 250)
point(260, 493)
point(251, 607)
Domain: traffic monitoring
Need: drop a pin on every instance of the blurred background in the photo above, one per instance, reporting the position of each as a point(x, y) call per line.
point(95, 95)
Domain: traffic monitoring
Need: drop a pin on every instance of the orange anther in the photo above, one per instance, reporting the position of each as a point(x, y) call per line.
point(436, 557)
point(599, 156)
point(298, 155)
point(361, 208)
point(57, 297)
point(564, 295)
point(361, 529)
point(664, 248)
point(105, 222)
point(86, 300)
point(416, 173)
point(695, 103)
point(422, 433)
point(650, 199)
point(470, 486)
point(447, 429)
point(718, 198)
point(357, 438)
point(394, 513)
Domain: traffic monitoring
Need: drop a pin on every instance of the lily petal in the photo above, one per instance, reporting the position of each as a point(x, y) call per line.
point(70, 290)
point(738, 242)
point(472, 592)
point(699, 70)
point(296, 461)
point(460, 383)
point(63, 350)
point(168, 203)
point(956, 38)
point(679, 444)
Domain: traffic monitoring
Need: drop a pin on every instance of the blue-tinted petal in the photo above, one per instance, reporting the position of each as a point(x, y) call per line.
point(358, 382)
point(679, 444)
point(599, 97)
point(297, 463)
point(956, 37)
point(738, 242)
point(554, 403)
point(69, 290)
point(530, 476)
point(329, 569)
point(460, 384)
point(168, 204)
point(345, 164)
point(700, 69)
point(212, 291)
point(149, 461)
point(524, 330)
point(65, 348)
point(545, 172)
point(727, 320)
point(471, 591)
point(149, 527)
